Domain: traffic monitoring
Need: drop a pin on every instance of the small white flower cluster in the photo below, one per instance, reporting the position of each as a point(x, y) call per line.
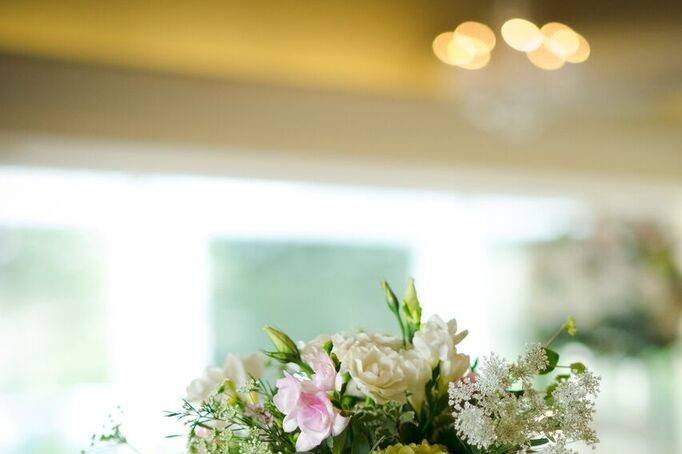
point(499, 406)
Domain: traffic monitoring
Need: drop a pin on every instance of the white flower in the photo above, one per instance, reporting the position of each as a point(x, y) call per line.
point(238, 369)
point(385, 373)
point(475, 426)
point(310, 348)
point(487, 412)
point(377, 372)
point(343, 342)
point(417, 373)
point(436, 341)
point(452, 368)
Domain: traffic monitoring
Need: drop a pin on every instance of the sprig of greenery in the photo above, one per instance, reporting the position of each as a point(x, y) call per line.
point(408, 312)
point(110, 435)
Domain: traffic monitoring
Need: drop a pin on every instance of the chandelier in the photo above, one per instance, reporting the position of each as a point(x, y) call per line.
point(548, 47)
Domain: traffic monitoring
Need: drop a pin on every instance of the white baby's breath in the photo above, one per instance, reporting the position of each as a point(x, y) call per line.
point(488, 413)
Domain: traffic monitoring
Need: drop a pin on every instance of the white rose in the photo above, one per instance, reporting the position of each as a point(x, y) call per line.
point(343, 342)
point(385, 374)
point(377, 372)
point(436, 341)
point(239, 369)
point(452, 368)
point(417, 372)
point(308, 349)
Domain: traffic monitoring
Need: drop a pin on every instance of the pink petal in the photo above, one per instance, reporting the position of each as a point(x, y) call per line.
point(340, 423)
point(288, 393)
point(307, 441)
point(290, 424)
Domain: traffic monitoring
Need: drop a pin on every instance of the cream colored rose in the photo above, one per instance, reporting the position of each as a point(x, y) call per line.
point(343, 342)
point(310, 348)
point(384, 374)
point(417, 372)
point(436, 341)
point(377, 372)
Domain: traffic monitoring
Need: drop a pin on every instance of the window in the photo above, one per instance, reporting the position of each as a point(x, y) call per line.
point(264, 282)
point(52, 330)
point(118, 289)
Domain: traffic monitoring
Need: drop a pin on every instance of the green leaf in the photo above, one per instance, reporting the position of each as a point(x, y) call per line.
point(561, 378)
point(553, 358)
point(339, 442)
point(360, 443)
point(281, 356)
point(578, 368)
point(327, 347)
point(550, 391)
point(539, 442)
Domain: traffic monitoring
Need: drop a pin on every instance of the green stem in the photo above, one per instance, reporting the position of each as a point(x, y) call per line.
point(557, 334)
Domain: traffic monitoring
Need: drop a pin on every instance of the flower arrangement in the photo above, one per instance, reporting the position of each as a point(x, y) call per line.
point(362, 392)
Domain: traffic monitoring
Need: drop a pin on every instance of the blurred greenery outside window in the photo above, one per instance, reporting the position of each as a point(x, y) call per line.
point(305, 289)
point(52, 328)
point(48, 279)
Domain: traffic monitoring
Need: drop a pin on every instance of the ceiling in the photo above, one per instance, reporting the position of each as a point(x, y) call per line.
point(355, 78)
point(375, 46)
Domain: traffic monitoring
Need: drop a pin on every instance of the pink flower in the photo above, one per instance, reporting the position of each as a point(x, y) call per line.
point(308, 408)
point(324, 376)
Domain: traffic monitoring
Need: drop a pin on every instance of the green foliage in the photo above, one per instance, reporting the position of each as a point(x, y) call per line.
point(553, 358)
point(578, 368)
point(412, 310)
point(231, 412)
point(111, 436)
point(394, 307)
point(408, 313)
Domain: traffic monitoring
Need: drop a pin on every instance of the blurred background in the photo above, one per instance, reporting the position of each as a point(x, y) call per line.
point(174, 175)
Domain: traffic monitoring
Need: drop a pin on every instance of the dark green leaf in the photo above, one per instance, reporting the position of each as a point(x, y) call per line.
point(553, 358)
point(539, 442)
point(578, 368)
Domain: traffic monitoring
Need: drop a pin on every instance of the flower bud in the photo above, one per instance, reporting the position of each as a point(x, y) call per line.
point(283, 343)
point(412, 308)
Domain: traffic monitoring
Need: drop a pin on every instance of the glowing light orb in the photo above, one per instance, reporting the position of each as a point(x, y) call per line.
point(522, 35)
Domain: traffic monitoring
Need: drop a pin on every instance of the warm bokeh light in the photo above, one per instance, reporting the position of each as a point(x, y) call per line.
point(544, 58)
point(461, 52)
point(440, 47)
point(522, 35)
point(563, 43)
point(582, 53)
point(478, 32)
point(550, 28)
point(560, 44)
point(468, 47)
point(478, 62)
point(473, 46)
